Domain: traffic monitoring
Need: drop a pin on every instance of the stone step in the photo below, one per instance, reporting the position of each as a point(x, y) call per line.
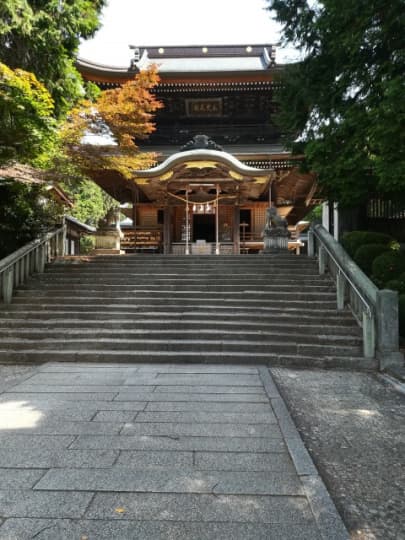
point(183, 345)
point(91, 304)
point(189, 322)
point(173, 294)
point(207, 333)
point(146, 356)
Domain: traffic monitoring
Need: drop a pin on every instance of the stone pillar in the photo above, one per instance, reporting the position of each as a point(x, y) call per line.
point(387, 329)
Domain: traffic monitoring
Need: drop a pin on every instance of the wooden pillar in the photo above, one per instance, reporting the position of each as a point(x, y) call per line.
point(236, 229)
point(167, 228)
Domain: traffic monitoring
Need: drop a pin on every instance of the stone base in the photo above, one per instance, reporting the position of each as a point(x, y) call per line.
point(103, 251)
point(275, 244)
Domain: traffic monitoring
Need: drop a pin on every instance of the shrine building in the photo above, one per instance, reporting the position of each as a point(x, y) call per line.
point(221, 162)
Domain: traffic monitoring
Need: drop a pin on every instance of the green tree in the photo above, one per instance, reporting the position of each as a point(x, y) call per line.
point(42, 36)
point(27, 125)
point(343, 105)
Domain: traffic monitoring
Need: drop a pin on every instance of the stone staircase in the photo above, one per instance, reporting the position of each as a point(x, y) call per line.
point(272, 309)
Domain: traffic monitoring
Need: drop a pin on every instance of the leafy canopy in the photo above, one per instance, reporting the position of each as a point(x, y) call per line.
point(343, 103)
point(27, 125)
point(42, 36)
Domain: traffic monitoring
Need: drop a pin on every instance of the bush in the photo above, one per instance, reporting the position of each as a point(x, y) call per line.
point(366, 254)
point(401, 309)
point(387, 267)
point(353, 240)
point(395, 285)
point(87, 244)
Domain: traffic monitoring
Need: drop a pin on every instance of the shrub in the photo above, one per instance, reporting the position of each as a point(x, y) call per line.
point(366, 254)
point(401, 309)
point(353, 240)
point(87, 244)
point(395, 285)
point(388, 266)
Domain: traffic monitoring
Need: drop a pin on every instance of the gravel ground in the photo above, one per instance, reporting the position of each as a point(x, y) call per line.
point(353, 424)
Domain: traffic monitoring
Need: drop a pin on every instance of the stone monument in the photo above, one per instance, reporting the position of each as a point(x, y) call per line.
point(275, 233)
point(109, 234)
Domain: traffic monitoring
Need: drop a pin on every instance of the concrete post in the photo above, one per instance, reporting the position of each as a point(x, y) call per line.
point(387, 329)
point(368, 335)
point(7, 285)
point(311, 243)
point(322, 260)
point(340, 290)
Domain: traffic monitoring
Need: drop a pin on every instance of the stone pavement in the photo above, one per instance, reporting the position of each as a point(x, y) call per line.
point(124, 451)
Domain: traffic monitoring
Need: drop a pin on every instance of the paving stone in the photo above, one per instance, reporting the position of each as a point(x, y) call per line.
point(140, 460)
point(202, 379)
point(60, 408)
point(171, 481)
point(19, 478)
point(212, 417)
point(63, 427)
point(211, 389)
point(210, 407)
point(164, 396)
point(202, 430)
point(229, 444)
point(243, 461)
point(196, 507)
point(50, 504)
point(115, 416)
point(63, 388)
point(28, 457)
point(196, 369)
point(13, 441)
point(72, 396)
point(42, 529)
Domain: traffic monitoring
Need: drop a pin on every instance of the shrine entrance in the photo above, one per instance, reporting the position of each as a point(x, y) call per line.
point(203, 227)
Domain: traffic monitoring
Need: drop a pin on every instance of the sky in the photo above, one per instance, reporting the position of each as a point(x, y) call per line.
point(180, 22)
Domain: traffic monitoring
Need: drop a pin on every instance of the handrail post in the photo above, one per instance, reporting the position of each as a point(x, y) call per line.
point(311, 243)
point(368, 335)
point(7, 285)
point(340, 290)
point(322, 260)
point(387, 329)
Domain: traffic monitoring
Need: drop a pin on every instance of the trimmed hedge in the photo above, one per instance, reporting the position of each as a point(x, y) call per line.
point(366, 254)
point(353, 240)
point(388, 266)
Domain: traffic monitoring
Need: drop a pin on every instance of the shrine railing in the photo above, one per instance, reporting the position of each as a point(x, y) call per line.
point(375, 310)
point(30, 259)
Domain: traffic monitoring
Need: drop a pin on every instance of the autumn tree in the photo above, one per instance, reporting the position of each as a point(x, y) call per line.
point(123, 114)
point(343, 103)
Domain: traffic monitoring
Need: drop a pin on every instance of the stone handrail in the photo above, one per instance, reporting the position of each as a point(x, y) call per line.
point(375, 310)
point(30, 259)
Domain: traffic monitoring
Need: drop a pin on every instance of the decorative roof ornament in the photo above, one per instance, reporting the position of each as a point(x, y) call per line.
point(201, 142)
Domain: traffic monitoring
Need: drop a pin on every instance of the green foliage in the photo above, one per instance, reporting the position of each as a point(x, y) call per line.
point(91, 202)
point(27, 126)
point(42, 36)
point(315, 215)
point(343, 101)
point(395, 285)
point(25, 213)
point(401, 309)
point(387, 267)
point(366, 254)
point(353, 240)
point(87, 244)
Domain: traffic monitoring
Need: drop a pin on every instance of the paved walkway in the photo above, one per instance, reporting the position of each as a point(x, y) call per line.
point(147, 452)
